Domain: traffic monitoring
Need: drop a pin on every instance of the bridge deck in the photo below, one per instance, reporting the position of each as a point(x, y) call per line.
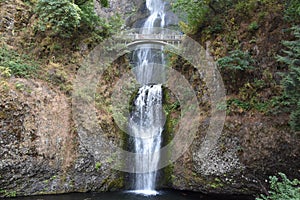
point(151, 37)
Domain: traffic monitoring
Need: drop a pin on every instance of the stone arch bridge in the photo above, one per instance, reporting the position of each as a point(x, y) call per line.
point(162, 39)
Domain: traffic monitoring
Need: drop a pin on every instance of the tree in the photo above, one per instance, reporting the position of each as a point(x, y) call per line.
point(62, 17)
point(291, 79)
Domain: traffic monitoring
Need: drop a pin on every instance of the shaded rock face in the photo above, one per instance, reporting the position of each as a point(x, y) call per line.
point(130, 11)
point(246, 154)
point(251, 147)
point(133, 12)
point(40, 151)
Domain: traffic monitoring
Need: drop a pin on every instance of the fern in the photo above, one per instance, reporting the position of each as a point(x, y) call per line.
point(236, 69)
point(282, 190)
point(292, 11)
point(237, 60)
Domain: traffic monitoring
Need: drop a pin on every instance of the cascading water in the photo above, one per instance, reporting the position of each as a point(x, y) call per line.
point(146, 125)
point(146, 122)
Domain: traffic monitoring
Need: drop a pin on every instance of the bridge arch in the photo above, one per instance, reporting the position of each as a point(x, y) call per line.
point(138, 42)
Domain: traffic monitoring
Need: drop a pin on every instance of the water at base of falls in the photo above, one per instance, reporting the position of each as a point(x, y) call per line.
point(129, 195)
point(146, 121)
point(144, 192)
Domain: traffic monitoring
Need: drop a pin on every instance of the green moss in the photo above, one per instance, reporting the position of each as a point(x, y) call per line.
point(132, 99)
point(6, 193)
point(171, 107)
point(98, 166)
point(217, 183)
point(116, 183)
point(46, 181)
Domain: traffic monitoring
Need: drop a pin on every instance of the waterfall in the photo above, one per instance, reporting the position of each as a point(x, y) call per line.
point(146, 121)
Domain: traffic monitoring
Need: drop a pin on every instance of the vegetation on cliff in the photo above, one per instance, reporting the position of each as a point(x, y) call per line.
point(70, 19)
point(255, 44)
point(46, 39)
point(282, 189)
point(247, 41)
point(291, 78)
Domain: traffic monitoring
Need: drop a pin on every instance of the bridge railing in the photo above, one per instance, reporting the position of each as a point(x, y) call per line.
point(162, 37)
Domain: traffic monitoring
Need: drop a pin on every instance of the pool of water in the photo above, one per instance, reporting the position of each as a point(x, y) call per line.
point(162, 195)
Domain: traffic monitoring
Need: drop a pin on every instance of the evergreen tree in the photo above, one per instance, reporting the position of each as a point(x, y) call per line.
point(291, 79)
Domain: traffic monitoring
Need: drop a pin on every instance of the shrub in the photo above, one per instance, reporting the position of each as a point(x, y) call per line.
point(98, 166)
point(291, 79)
point(235, 68)
point(62, 17)
point(236, 61)
point(253, 26)
point(197, 13)
point(246, 6)
point(5, 72)
point(104, 3)
point(89, 20)
point(192, 12)
point(292, 11)
point(66, 18)
point(18, 65)
point(283, 189)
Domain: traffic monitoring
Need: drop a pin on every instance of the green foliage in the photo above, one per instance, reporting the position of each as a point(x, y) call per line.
point(192, 12)
point(104, 3)
point(283, 189)
point(236, 61)
point(245, 7)
point(236, 103)
point(292, 11)
point(5, 72)
point(89, 20)
point(6, 193)
point(236, 68)
point(217, 183)
point(62, 17)
point(66, 18)
point(295, 118)
point(30, 2)
point(98, 166)
point(111, 26)
point(18, 65)
point(291, 79)
point(253, 26)
point(205, 12)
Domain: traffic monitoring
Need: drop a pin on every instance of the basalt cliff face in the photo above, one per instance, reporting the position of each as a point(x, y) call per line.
point(42, 150)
